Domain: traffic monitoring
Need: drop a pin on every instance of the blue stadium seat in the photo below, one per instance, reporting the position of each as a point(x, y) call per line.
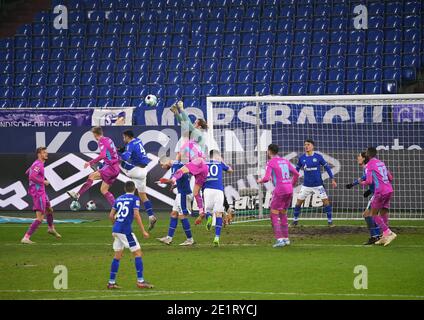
point(338, 49)
point(299, 75)
point(373, 61)
point(411, 60)
point(336, 75)
point(282, 63)
point(265, 51)
point(89, 78)
point(354, 87)
point(281, 76)
point(298, 88)
point(411, 47)
point(210, 90)
point(372, 88)
point(244, 89)
point(158, 65)
point(105, 78)
point(410, 7)
point(301, 50)
point(358, 36)
point(225, 77)
point(392, 74)
point(246, 64)
point(22, 67)
point(22, 79)
point(229, 64)
point(393, 22)
point(5, 80)
point(280, 89)
point(300, 62)
point(356, 48)
point(191, 90)
point(248, 52)
point(40, 42)
point(316, 88)
point(336, 62)
point(284, 25)
point(284, 38)
point(174, 77)
point(374, 48)
point(139, 78)
point(321, 23)
point(105, 66)
point(376, 22)
point(264, 64)
point(373, 74)
point(318, 49)
point(191, 77)
point(339, 37)
point(392, 60)
point(317, 75)
point(335, 88)
point(55, 79)
point(157, 77)
point(122, 78)
point(38, 79)
point(268, 25)
point(245, 77)
point(355, 74)
point(262, 77)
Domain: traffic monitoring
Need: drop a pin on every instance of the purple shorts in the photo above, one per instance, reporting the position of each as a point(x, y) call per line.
point(381, 201)
point(281, 201)
point(199, 169)
point(109, 173)
point(41, 203)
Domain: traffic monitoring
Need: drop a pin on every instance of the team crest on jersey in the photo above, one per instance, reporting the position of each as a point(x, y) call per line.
point(314, 160)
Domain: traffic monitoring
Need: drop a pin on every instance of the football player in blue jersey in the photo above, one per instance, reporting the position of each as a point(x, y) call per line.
point(182, 204)
point(373, 228)
point(213, 193)
point(133, 164)
point(311, 163)
point(124, 211)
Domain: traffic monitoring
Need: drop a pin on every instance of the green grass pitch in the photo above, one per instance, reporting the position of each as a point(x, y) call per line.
point(318, 265)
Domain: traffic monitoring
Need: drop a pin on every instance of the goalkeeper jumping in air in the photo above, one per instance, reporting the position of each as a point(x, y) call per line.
point(192, 149)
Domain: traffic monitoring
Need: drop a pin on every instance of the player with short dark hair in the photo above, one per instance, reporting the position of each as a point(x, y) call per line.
point(372, 226)
point(311, 163)
point(182, 204)
point(37, 190)
point(107, 173)
point(124, 211)
point(378, 174)
point(278, 169)
point(213, 193)
point(134, 161)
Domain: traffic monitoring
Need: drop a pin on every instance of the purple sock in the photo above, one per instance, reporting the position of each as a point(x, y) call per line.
point(110, 198)
point(284, 225)
point(380, 222)
point(32, 228)
point(278, 233)
point(49, 218)
point(87, 185)
point(385, 218)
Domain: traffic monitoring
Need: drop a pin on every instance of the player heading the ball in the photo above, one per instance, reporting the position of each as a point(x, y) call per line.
point(311, 163)
point(134, 161)
point(279, 169)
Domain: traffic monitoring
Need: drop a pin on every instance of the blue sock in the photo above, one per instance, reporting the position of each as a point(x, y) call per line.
point(208, 214)
point(139, 268)
point(172, 226)
point(218, 226)
point(148, 207)
point(329, 212)
point(372, 227)
point(296, 213)
point(186, 227)
point(113, 270)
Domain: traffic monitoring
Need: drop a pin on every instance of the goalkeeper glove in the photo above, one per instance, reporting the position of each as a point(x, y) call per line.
point(367, 193)
point(349, 186)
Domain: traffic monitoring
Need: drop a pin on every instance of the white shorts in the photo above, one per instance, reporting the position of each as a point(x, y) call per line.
point(139, 176)
point(182, 206)
point(307, 191)
point(214, 200)
point(123, 241)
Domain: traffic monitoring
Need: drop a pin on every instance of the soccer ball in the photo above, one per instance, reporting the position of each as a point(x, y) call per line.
point(151, 100)
point(75, 205)
point(91, 205)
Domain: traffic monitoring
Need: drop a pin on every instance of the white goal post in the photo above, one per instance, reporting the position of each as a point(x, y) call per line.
point(342, 127)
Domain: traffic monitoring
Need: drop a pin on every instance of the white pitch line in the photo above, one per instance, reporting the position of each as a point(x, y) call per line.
point(210, 245)
point(130, 293)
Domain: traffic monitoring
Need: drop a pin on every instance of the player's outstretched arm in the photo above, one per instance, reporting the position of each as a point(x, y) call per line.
point(137, 218)
point(368, 180)
point(267, 176)
point(101, 156)
point(295, 173)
